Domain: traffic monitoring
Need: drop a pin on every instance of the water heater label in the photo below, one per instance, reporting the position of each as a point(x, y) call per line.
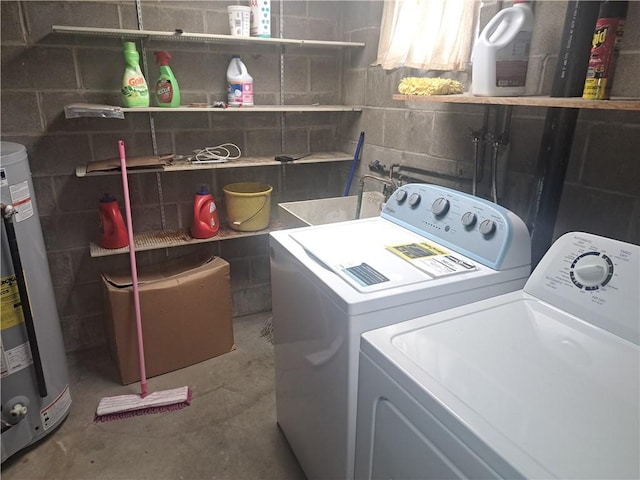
point(21, 200)
point(11, 308)
point(56, 410)
point(16, 359)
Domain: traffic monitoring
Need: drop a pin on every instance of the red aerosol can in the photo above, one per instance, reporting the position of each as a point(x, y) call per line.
point(113, 233)
point(206, 222)
point(604, 50)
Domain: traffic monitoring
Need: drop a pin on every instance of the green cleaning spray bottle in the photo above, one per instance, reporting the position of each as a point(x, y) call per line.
point(167, 90)
point(135, 92)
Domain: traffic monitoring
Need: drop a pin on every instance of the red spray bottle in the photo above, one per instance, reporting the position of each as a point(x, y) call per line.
point(205, 222)
point(112, 229)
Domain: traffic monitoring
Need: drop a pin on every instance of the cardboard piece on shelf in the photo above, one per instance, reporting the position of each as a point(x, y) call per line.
point(186, 315)
point(148, 161)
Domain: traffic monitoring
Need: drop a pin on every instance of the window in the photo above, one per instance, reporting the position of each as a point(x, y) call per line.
point(427, 34)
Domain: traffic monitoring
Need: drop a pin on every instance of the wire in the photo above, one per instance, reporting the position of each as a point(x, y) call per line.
point(218, 154)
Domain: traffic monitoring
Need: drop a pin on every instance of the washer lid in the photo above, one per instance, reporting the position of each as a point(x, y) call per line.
point(375, 254)
point(541, 387)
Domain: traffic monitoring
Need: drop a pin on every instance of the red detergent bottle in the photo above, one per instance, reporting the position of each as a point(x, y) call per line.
point(112, 229)
point(205, 222)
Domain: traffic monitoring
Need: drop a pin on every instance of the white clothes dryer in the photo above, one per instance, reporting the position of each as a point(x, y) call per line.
point(431, 249)
point(538, 383)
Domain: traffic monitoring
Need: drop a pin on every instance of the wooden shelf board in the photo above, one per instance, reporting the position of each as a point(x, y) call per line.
point(243, 162)
point(77, 110)
point(630, 104)
point(195, 37)
point(176, 238)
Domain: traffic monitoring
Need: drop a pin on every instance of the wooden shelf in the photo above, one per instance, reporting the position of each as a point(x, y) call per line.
point(181, 36)
point(77, 110)
point(176, 238)
point(242, 162)
point(630, 104)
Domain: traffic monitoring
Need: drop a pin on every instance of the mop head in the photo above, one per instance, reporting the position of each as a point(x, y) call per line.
point(267, 329)
point(429, 86)
point(125, 406)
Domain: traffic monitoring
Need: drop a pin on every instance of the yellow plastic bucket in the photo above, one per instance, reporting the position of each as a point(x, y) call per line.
point(248, 205)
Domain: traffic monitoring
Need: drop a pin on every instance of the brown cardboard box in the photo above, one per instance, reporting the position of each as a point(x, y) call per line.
point(186, 314)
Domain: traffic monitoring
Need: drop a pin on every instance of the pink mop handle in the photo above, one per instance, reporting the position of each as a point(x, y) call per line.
point(134, 269)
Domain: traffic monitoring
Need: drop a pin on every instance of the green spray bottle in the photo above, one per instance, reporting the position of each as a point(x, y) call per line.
point(134, 92)
point(167, 90)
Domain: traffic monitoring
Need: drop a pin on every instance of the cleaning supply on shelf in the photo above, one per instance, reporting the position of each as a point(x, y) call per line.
point(604, 50)
point(134, 92)
point(429, 86)
point(260, 18)
point(500, 55)
point(113, 233)
point(240, 84)
point(166, 89)
point(206, 222)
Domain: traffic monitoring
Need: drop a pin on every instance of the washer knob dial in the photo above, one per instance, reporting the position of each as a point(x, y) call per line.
point(414, 200)
point(487, 227)
point(401, 196)
point(591, 270)
point(440, 206)
point(469, 219)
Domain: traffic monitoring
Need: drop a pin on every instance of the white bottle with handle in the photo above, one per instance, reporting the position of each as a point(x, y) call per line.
point(240, 84)
point(501, 54)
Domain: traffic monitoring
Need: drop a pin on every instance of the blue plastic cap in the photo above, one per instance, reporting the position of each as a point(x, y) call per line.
point(204, 190)
point(107, 197)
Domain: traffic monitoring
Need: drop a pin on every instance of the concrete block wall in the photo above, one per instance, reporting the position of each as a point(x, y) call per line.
point(602, 187)
point(42, 72)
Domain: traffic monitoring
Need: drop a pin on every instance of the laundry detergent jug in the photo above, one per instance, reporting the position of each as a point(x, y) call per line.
point(206, 222)
point(113, 233)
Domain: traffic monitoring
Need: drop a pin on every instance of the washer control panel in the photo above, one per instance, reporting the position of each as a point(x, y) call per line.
point(594, 278)
point(477, 228)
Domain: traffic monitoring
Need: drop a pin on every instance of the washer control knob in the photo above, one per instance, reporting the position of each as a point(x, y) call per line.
point(591, 270)
point(401, 196)
point(414, 200)
point(487, 227)
point(440, 206)
point(469, 219)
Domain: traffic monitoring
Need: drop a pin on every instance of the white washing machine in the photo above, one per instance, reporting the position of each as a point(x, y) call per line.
point(538, 383)
point(432, 248)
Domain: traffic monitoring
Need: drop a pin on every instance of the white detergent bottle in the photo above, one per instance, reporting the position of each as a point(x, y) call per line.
point(240, 84)
point(501, 54)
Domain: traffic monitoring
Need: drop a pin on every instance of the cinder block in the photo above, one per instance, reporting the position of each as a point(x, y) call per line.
point(24, 68)
point(11, 29)
point(20, 113)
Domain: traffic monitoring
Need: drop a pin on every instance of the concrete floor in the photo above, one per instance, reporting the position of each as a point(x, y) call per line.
point(228, 432)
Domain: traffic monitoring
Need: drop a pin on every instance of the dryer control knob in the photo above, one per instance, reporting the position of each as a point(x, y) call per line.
point(469, 219)
point(487, 227)
point(414, 200)
point(401, 196)
point(440, 206)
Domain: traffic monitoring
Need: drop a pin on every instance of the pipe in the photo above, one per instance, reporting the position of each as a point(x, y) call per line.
point(387, 181)
point(560, 123)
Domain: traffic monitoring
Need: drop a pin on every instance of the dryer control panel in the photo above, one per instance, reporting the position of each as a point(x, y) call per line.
point(594, 278)
point(472, 226)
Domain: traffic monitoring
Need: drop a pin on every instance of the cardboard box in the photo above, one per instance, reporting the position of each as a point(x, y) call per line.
point(186, 314)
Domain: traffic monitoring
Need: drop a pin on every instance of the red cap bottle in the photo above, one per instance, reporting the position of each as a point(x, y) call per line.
point(205, 222)
point(112, 229)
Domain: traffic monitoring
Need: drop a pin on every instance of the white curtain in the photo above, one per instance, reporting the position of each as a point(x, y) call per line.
point(427, 34)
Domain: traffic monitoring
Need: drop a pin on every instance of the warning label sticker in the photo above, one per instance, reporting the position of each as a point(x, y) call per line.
point(11, 308)
point(15, 359)
point(56, 410)
point(21, 200)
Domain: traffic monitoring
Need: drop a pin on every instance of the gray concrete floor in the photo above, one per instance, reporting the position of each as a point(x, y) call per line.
point(228, 432)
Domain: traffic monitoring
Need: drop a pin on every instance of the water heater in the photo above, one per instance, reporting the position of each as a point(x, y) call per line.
point(33, 373)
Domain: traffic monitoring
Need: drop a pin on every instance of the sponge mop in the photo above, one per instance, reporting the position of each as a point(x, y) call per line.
point(429, 86)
